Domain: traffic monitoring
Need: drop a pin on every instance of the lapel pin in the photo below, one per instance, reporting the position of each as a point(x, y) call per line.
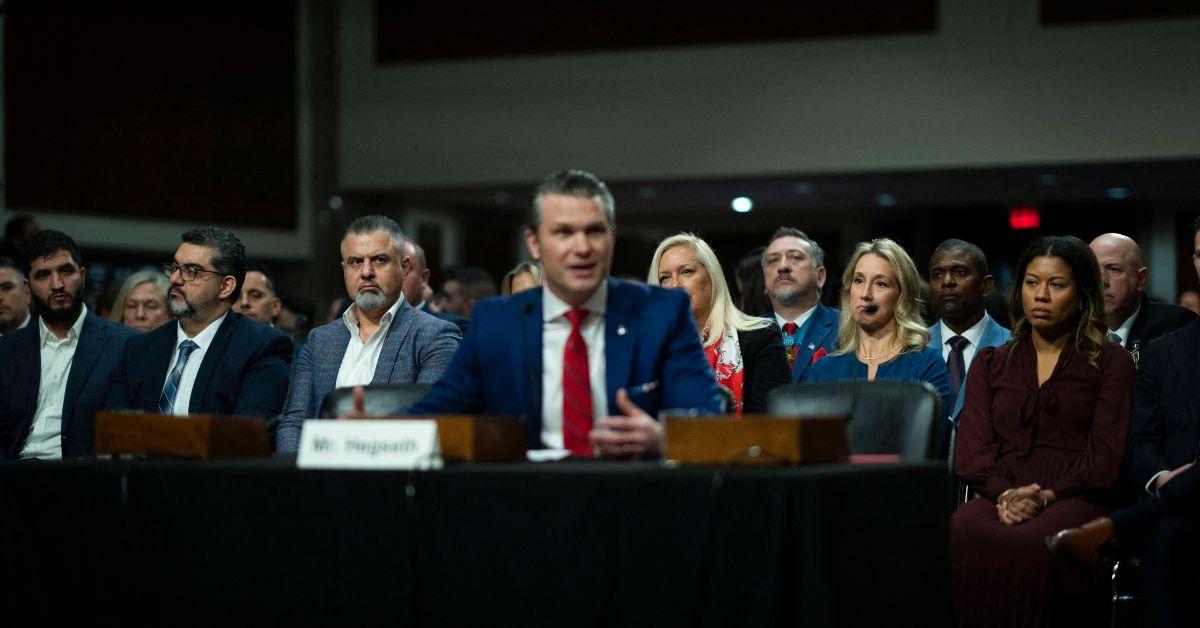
point(811, 346)
point(621, 330)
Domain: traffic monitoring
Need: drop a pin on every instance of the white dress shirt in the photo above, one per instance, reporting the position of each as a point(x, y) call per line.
point(1127, 326)
point(973, 336)
point(183, 396)
point(800, 320)
point(555, 330)
point(360, 358)
point(45, 435)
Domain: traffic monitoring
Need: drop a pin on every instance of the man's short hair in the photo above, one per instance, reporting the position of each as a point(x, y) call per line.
point(978, 259)
point(577, 183)
point(476, 283)
point(818, 253)
point(419, 264)
point(228, 257)
point(257, 266)
point(370, 224)
point(8, 262)
point(46, 243)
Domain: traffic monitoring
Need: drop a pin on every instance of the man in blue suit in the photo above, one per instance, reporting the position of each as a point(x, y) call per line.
point(380, 339)
point(959, 282)
point(212, 360)
point(54, 372)
point(587, 360)
point(794, 272)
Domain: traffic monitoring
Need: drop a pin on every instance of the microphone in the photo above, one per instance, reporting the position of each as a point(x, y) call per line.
point(871, 308)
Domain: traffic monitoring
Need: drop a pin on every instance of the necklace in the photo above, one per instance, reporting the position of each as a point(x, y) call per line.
point(871, 359)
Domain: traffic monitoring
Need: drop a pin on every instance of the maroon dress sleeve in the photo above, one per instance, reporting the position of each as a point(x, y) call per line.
point(1096, 469)
point(977, 446)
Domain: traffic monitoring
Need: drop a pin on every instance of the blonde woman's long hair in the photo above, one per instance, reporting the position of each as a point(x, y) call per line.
point(722, 311)
point(910, 330)
point(117, 314)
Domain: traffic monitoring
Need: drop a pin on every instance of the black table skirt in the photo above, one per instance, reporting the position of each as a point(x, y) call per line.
point(564, 544)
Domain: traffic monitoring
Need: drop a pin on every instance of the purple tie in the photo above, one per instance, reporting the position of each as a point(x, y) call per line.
point(955, 363)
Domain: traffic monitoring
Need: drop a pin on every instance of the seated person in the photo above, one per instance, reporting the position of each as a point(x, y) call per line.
point(525, 276)
point(14, 297)
point(586, 360)
point(381, 339)
point(1041, 436)
point(881, 335)
point(213, 360)
point(745, 352)
point(54, 372)
point(142, 302)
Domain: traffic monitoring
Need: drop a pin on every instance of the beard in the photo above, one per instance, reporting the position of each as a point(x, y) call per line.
point(180, 307)
point(69, 313)
point(370, 301)
point(788, 295)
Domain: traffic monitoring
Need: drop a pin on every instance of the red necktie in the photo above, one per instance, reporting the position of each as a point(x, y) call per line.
point(577, 389)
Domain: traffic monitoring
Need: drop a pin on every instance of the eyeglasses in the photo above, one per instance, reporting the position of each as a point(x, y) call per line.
point(188, 273)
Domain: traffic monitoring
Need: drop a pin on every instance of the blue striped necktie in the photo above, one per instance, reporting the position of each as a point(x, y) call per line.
point(166, 403)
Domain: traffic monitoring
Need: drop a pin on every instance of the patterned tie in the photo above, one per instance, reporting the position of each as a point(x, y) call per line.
point(577, 389)
point(1114, 338)
point(789, 342)
point(166, 403)
point(955, 363)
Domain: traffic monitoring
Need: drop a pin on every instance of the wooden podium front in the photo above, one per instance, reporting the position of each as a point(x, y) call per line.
point(759, 440)
point(476, 438)
point(197, 436)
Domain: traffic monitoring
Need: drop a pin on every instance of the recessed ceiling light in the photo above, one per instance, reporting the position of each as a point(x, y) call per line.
point(885, 200)
point(742, 204)
point(335, 203)
point(804, 188)
point(1117, 193)
point(1049, 180)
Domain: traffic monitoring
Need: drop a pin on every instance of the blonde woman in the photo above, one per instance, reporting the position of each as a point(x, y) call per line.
point(745, 352)
point(142, 301)
point(881, 334)
point(525, 276)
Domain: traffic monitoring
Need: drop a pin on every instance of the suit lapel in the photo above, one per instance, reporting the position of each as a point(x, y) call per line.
point(161, 346)
point(819, 328)
point(29, 352)
point(212, 357)
point(92, 339)
point(328, 365)
point(619, 344)
point(1183, 359)
point(935, 335)
point(527, 362)
point(398, 331)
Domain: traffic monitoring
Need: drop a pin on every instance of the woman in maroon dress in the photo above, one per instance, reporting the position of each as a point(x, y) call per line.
point(1040, 438)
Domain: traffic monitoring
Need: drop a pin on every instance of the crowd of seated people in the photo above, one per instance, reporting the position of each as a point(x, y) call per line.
point(1088, 392)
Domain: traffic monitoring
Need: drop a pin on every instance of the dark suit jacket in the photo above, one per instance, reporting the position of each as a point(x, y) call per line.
point(1165, 422)
point(1154, 320)
point(461, 321)
point(649, 336)
point(821, 333)
point(764, 366)
point(100, 345)
point(244, 372)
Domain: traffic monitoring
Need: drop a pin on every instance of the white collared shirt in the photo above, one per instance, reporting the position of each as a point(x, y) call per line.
point(183, 395)
point(360, 358)
point(555, 330)
point(973, 336)
point(45, 435)
point(1127, 326)
point(800, 320)
point(22, 325)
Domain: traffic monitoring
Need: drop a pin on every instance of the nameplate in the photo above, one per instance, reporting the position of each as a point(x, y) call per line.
point(372, 444)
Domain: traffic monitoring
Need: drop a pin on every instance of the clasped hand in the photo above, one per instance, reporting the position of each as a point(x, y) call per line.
point(1022, 504)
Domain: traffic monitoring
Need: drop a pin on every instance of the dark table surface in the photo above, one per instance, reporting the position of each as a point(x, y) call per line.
point(559, 544)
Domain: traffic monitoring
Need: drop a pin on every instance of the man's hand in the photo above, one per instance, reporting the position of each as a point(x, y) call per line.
point(1163, 478)
point(633, 435)
point(357, 412)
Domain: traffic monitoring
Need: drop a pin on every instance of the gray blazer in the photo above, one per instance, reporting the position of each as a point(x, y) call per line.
point(417, 349)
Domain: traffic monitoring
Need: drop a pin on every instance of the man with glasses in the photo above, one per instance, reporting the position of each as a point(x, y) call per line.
point(380, 339)
point(54, 372)
point(213, 361)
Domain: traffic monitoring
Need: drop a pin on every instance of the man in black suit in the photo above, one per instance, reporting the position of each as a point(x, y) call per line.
point(1133, 319)
point(416, 286)
point(54, 372)
point(213, 361)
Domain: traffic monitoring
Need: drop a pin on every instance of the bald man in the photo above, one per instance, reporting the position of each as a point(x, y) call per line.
point(1133, 320)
